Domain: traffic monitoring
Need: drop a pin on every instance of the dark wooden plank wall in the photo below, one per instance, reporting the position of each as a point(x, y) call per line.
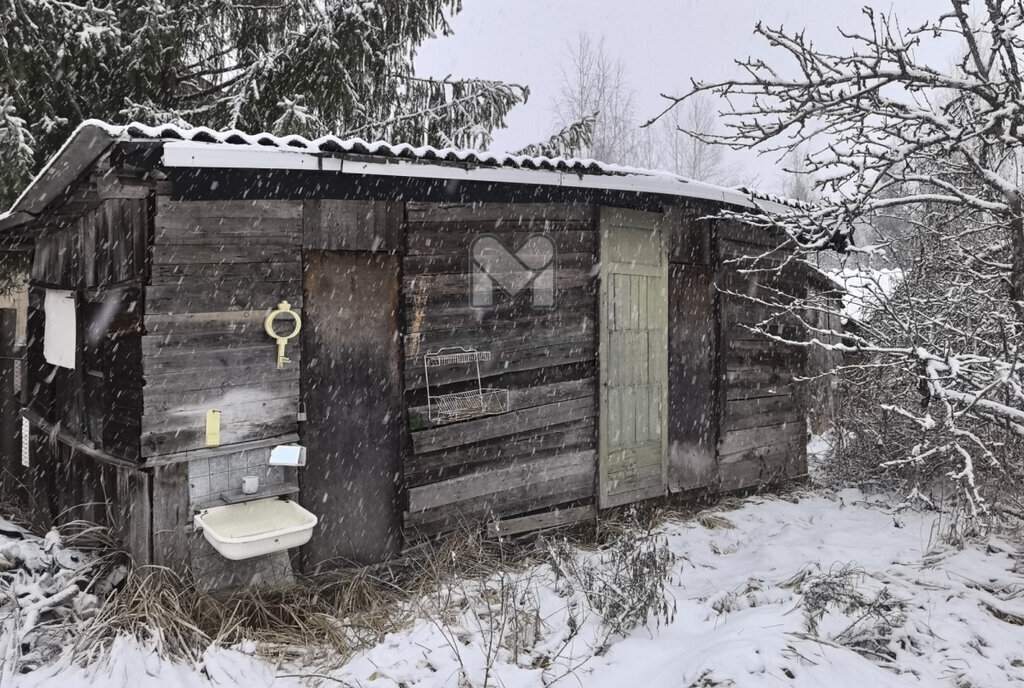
point(218, 268)
point(542, 452)
point(764, 428)
point(98, 249)
point(65, 484)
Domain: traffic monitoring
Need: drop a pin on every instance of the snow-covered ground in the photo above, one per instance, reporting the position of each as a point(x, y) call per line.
point(810, 590)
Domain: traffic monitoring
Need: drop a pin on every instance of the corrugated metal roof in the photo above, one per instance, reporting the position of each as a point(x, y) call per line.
point(92, 137)
point(335, 145)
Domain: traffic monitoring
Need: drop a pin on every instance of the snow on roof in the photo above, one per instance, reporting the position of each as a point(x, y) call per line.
point(773, 198)
point(204, 147)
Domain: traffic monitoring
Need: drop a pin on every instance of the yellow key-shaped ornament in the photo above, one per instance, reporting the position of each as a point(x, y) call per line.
point(283, 308)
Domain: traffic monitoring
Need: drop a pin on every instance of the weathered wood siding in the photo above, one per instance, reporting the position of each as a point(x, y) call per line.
point(95, 247)
point(218, 268)
point(352, 391)
point(542, 452)
point(764, 428)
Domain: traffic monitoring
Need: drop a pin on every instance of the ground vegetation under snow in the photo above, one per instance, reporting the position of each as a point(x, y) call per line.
point(810, 589)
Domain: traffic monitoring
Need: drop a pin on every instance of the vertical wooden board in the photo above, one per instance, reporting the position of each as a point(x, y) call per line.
point(171, 518)
point(140, 532)
point(88, 252)
point(689, 238)
point(10, 421)
point(135, 513)
point(633, 338)
point(642, 401)
point(331, 225)
point(693, 387)
point(351, 387)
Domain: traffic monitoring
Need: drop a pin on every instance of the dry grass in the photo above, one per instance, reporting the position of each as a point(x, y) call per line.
point(324, 619)
point(319, 619)
point(16, 503)
point(313, 618)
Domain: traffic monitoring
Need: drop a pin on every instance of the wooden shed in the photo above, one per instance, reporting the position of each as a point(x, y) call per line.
point(486, 339)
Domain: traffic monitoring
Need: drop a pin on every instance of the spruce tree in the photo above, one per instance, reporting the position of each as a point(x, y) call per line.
point(310, 67)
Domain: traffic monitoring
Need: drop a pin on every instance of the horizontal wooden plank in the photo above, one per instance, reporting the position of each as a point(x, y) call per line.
point(740, 475)
point(175, 344)
point(735, 331)
point(765, 357)
point(520, 398)
point(504, 347)
point(434, 285)
point(736, 421)
point(505, 308)
point(736, 256)
point(476, 212)
point(214, 360)
point(209, 452)
point(234, 409)
point(221, 378)
point(455, 240)
point(774, 282)
point(157, 401)
point(283, 209)
point(419, 319)
point(214, 274)
point(505, 335)
point(513, 501)
point(420, 469)
point(194, 437)
point(285, 235)
point(186, 324)
point(489, 481)
point(228, 294)
point(734, 393)
point(762, 465)
point(749, 407)
point(760, 377)
point(504, 362)
point(191, 254)
point(480, 429)
point(750, 235)
point(746, 347)
point(541, 521)
point(739, 441)
point(458, 263)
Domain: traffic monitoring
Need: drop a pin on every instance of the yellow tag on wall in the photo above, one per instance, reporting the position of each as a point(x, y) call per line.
point(212, 428)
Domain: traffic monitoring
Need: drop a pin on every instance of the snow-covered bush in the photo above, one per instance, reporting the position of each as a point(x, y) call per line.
point(840, 607)
point(625, 582)
point(932, 158)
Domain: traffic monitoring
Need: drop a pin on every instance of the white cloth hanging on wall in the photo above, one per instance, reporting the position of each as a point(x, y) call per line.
point(60, 329)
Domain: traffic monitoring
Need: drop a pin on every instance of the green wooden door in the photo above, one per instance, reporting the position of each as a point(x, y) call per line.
point(632, 432)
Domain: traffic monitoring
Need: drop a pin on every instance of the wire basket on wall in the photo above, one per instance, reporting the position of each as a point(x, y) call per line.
point(455, 406)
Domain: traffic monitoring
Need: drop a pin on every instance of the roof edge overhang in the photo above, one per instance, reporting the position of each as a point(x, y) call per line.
point(199, 155)
point(93, 138)
point(85, 145)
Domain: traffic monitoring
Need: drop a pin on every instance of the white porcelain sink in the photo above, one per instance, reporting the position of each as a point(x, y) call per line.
point(251, 529)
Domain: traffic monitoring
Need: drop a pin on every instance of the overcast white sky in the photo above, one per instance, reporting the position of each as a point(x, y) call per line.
point(663, 43)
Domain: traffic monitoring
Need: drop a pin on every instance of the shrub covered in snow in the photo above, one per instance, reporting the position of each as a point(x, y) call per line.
point(626, 581)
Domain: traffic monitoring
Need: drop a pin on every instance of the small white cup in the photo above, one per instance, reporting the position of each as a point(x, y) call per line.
point(250, 483)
